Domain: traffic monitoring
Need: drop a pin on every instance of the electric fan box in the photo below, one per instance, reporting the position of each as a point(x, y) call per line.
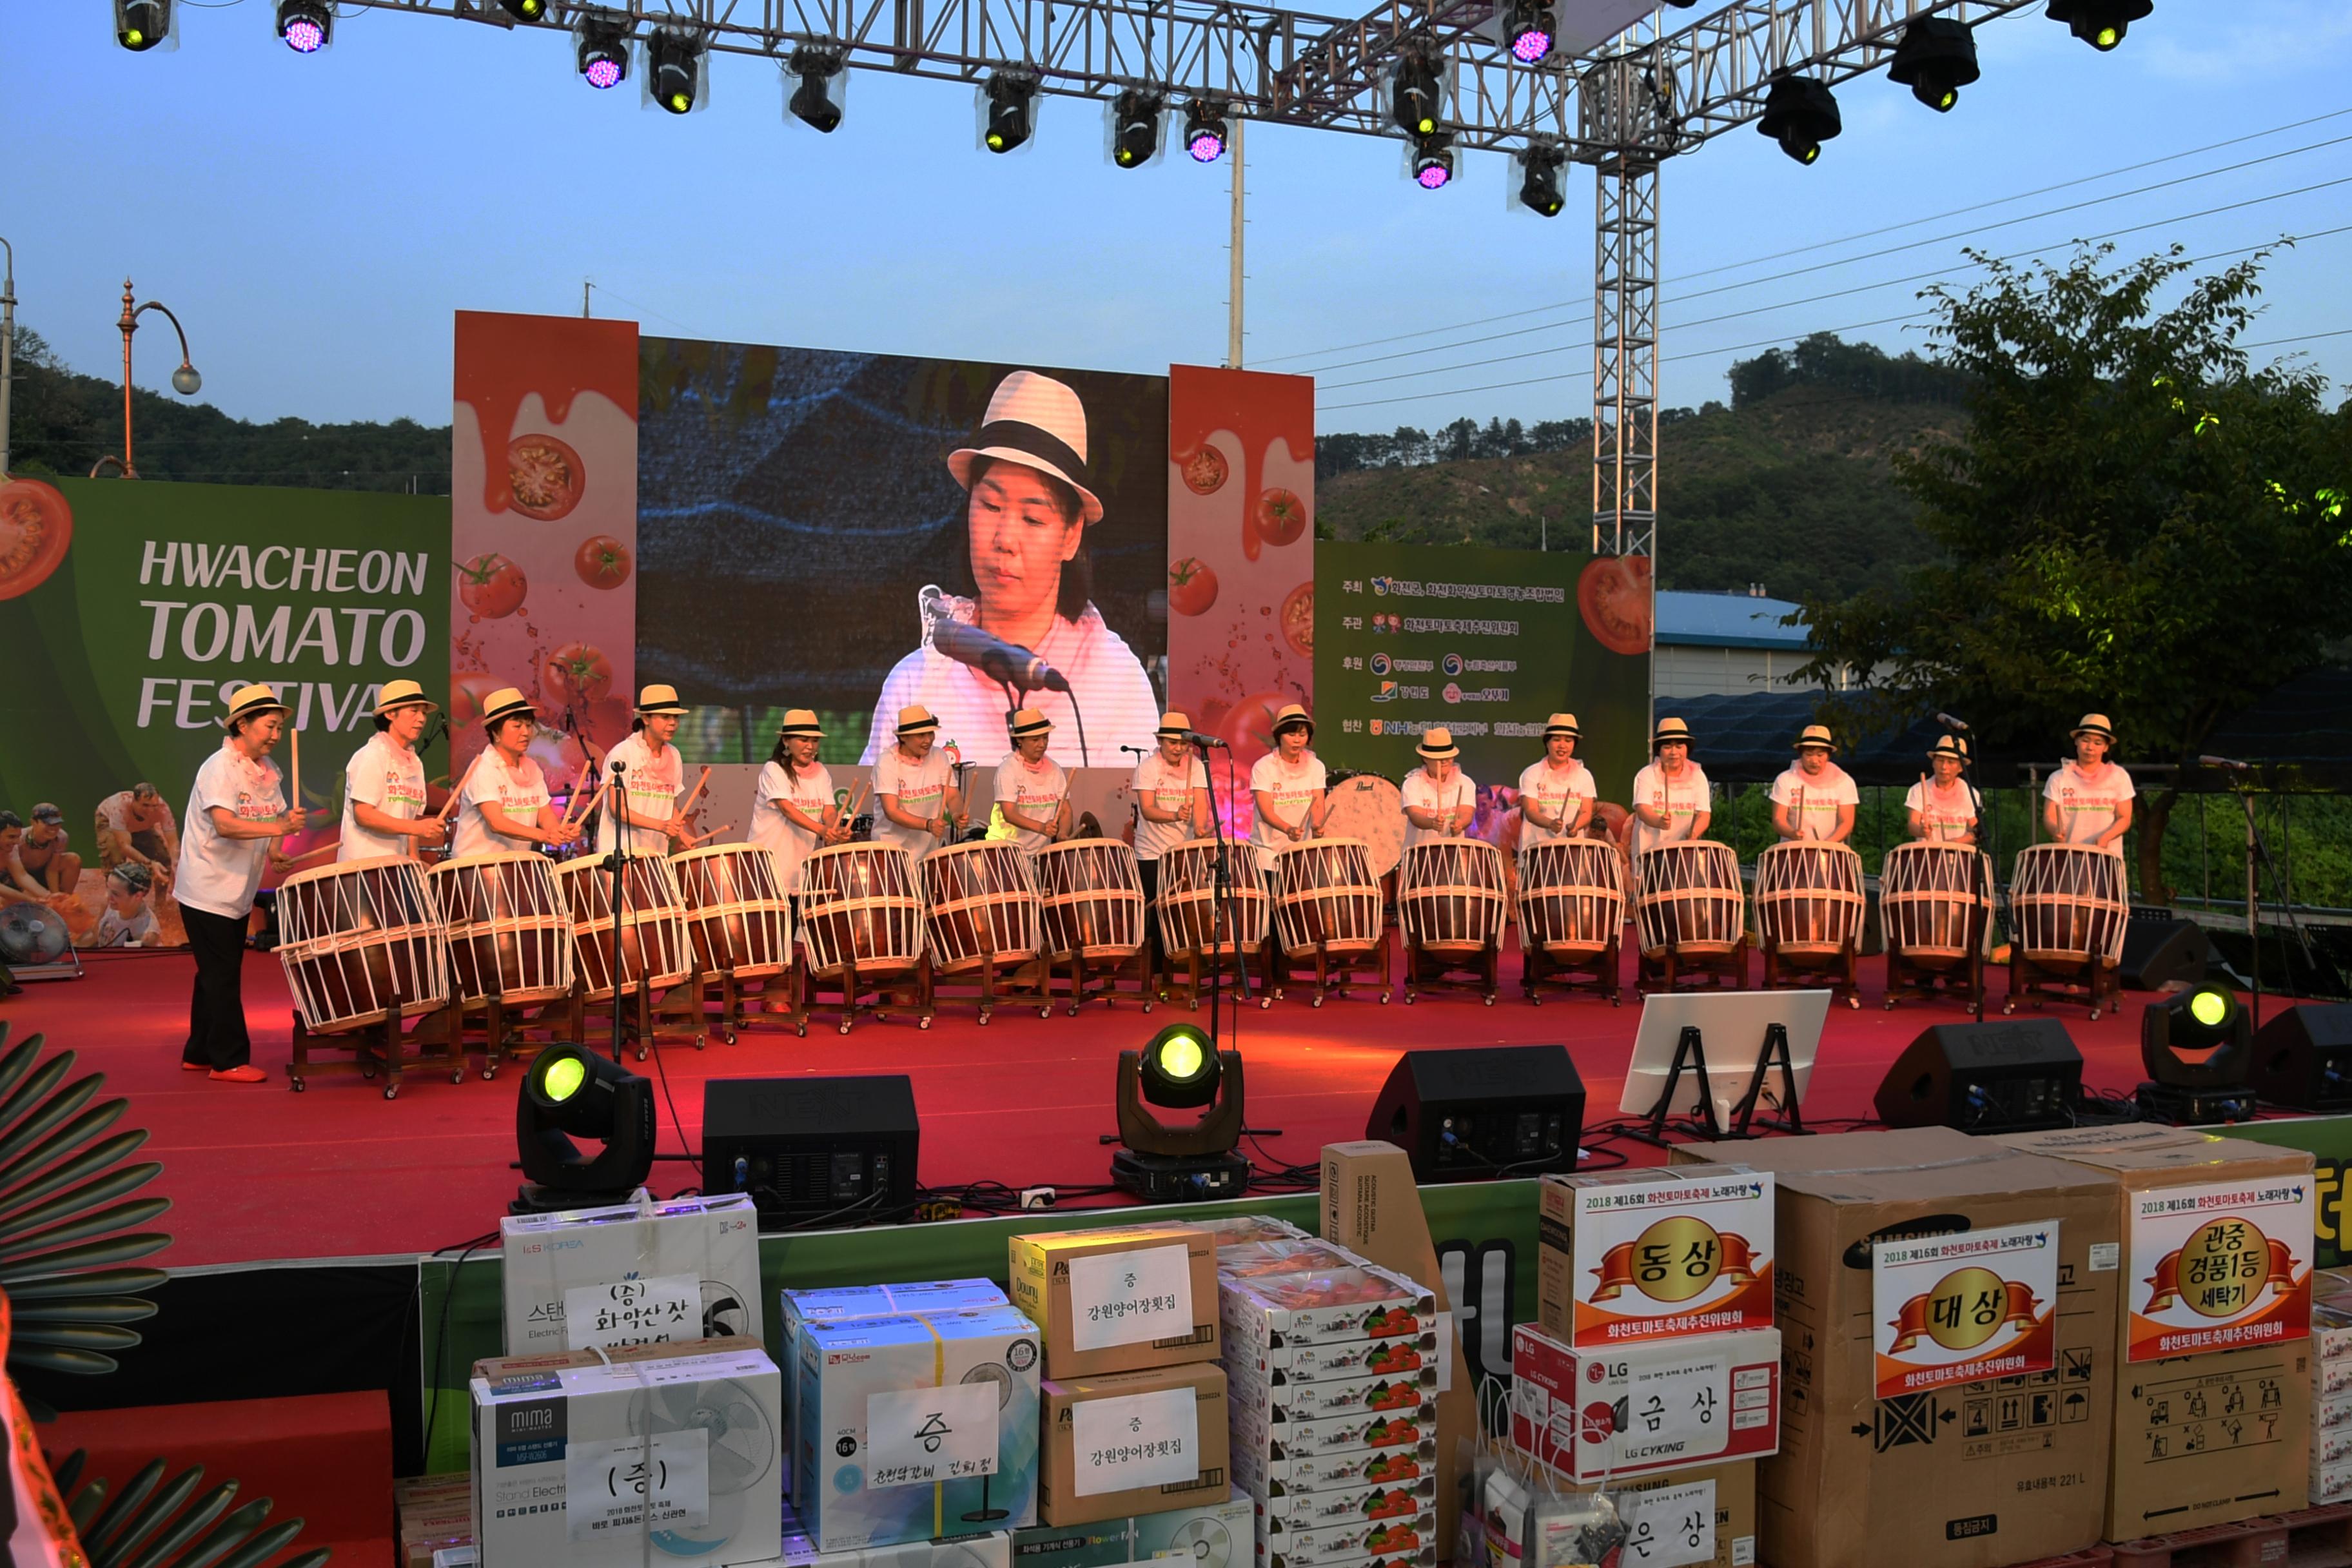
point(990, 1549)
point(592, 1460)
point(846, 1303)
point(911, 1428)
point(1205, 1535)
point(642, 1273)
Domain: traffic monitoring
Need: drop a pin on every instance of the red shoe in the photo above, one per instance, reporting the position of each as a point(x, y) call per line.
point(196, 1067)
point(239, 1074)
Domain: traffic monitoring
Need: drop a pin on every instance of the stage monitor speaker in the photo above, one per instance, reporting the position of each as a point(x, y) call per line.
point(2161, 952)
point(2303, 1058)
point(815, 1152)
point(1491, 1111)
point(2010, 1077)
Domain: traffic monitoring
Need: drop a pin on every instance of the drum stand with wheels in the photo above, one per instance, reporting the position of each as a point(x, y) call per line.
point(1453, 966)
point(742, 1010)
point(1601, 972)
point(1909, 979)
point(1661, 969)
point(515, 1034)
point(1186, 977)
point(375, 1047)
point(641, 1014)
point(1014, 981)
point(895, 983)
point(1335, 968)
point(1790, 967)
point(1104, 978)
point(2093, 978)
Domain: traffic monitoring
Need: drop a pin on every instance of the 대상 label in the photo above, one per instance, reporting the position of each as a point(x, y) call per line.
point(1135, 1440)
point(609, 1484)
point(915, 1436)
point(632, 1312)
point(1955, 1309)
point(1668, 1526)
point(1131, 1297)
point(2219, 1266)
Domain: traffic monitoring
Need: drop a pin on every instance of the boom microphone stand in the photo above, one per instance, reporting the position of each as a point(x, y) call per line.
point(616, 806)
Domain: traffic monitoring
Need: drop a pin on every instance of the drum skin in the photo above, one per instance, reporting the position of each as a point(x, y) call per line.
point(358, 939)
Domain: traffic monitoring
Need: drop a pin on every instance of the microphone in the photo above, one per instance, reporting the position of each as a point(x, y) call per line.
point(1194, 738)
point(1948, 722)
point(1137, 750)
point(2230, 763)
point(618, 766)
point(1008, 663)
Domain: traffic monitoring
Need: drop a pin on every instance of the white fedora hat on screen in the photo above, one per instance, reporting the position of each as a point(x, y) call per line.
point(1037, 422)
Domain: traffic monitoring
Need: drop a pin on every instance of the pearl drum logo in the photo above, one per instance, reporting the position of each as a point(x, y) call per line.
point(1959, 1308)
point(1660, 1256)
point(2219, 1266)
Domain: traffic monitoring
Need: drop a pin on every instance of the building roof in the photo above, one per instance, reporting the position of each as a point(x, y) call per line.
point(1726, 620)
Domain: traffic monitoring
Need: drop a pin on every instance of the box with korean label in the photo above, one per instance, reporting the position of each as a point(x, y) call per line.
point(990, 1549)
point(1119, 1299)
point(2331, 1483)
point(1406, 1537)
point(1128, 1442)
point(846, 1302)
point(1677, 1518)
point(916, 1427)
point(1404, 1355)
point(1276, 1395)
point(1266, 1471)
point(1333, 1434)
point(1659, 1405)
point(633, 1274)
point(672, 1450)
point(1655, 1254)
point(1282, 1509)
point(2331, 1331)
point(1286, 1310)
point(1203, 1535)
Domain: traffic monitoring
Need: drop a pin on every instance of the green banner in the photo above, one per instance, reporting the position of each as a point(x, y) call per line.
point(2328, 1140)
point(1490, 643)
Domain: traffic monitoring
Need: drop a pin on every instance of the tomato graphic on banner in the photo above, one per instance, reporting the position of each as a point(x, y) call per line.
point(2219, 1266)
point(1957, 1309)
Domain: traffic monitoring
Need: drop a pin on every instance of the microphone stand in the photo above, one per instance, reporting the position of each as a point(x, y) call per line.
point(617, 862)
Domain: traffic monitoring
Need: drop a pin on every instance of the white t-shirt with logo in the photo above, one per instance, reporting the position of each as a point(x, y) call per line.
point(1294, 790)
point(1947, 815)
point(811, 792)
point(519, 792)
point(1814, 799)
point(216, 874)
point(390, 778)
point(2088, 807)
point(651, 785)
point(1422, 793)
point(1168, 786)
point(1036, 792)
point(1678, 800)
point(1559, 792)
point(922, 788)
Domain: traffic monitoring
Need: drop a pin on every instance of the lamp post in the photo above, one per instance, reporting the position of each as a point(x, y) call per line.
point(184, 380)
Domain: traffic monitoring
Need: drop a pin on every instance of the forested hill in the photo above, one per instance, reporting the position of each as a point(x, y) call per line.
point(1790, 486)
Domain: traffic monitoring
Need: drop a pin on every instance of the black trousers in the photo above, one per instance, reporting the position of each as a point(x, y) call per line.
point(1149, 870)
point(216, 1035)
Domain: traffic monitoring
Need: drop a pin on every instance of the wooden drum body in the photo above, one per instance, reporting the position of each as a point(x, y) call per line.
point(860, 910)
point(510, 933)
point(1689, 898)
point(2069, 904)
point(1190, 918)
point(1329, 899)
point(1930, 898)
point(979, 906)
point(1092, 897)
point(1451, 899)
point(1809, 903)
point(654, 951)
point(1572, 898)
point(736, 914)
point(359, 940)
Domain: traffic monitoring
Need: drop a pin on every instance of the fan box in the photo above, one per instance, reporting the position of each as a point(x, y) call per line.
point(990, 1549)
point(1630, 1410)
point(1205, 1535)
point(640, 1273)
point(847, 1303)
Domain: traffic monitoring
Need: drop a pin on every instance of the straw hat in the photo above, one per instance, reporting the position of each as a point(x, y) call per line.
point(251, 702)
point(1293, 714)
point(395, 694)
point(1670, 729)
point(1027, 722)
point(916, 718)
point(1815, 735)
point(800, 721)
point(1561, 724)
point(1437, 743)
point(2093, 724)
point(1946, 746)
point(1173, 722)
point(1038, 423)
point(504, 704)
point(656, 699)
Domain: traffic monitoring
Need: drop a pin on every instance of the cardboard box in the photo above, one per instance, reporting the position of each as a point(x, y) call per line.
point(1289, 1255)
point(850, 1302)
point(1205, 1535)
point(1282, 1509)
point(407, 1489)
point(1266, 1471)
point(561, 1440)
point(991, 1548)
point(911, 1428)
point(1667, 1517)
point(1654, 1254)
point(1125, 1443)
point(2331, 1483)
point(633, 1274)
point(1277, 1396)
point(2331, 1330)
point(1406, 1535)
point(1404, 1355)
point(1119, 1299)
point(2221, 1433)
point(2007, 1468)
point(2331, 1411)
point(1637, 1409)
point(1333, 1434)
point(1281, 1311)
point(1235, 1229)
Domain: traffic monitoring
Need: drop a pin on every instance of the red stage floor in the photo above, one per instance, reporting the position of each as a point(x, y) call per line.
point(259, 1172)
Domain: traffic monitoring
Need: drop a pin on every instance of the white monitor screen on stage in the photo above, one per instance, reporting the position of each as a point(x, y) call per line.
point(1732, 1027)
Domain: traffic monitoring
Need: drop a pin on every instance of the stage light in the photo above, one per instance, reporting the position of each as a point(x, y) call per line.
point(2101, 24)
point(1204, 130)
point(1135, 127)
point(525, 10)
point(1414, 95)
point(814, 102)
point(674, 70)
point(1433, 161)
point(140, 25)
point(307, 26)
point(1010, 103)
point(2196, 1047)
point(572, 1092)
point(1540, 168)
point(1937, 58)
point(601, 48)
point(1527, 29)
point(1799, 113)
point(1180, 1070)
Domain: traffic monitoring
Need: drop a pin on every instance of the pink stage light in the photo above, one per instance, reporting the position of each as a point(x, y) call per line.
point(1531, 46)
point(1432, 176)
point(1207, 147)
point(305, 36)
point(602, 73)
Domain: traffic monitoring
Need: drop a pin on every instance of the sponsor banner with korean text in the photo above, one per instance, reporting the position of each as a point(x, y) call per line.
point(1949, 1309)
point(2219, 1266)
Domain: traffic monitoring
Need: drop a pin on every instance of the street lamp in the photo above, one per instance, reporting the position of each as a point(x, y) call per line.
point(184, 380)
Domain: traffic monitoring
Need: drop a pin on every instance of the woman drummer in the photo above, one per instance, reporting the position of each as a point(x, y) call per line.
point(1032, 793)
point(236, 814)
point(1556, 794)
point(1440, 799)
point(1814, 798)
point(2089, 800)
point(503, 806)
point(1170, 788)
point(1671, 799)
point(914, 786)
point(1942, 807)
point(793, 808)
point(1287, 785)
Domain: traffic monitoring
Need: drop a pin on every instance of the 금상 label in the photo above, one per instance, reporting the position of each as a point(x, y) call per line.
point(1135, 1440)
point(1668, 1526)
point(915, 1436)
point(1948, 1310)
point(2214, 1267)
point(1131, 1297)
point(1678, 1406)
point(632, 1312)
point(613, 1486)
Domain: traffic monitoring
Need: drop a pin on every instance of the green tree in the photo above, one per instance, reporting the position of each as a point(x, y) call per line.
point(2136, 521)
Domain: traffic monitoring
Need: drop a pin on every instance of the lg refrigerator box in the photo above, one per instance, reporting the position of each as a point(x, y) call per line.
point(642, 1273)
point(848, 1302)
point(1654, 1254)
point(1204, 1535)
point(1947, 1306)
point(1121, 1299)
point(1125, 1443)
point(1630, 1410)
point(912, 1428)
point(2214, 1413)
point(668, 1451)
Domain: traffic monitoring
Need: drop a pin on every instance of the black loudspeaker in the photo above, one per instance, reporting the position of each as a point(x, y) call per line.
point(2161, 953)
point(2303, 1058)
point(2010, 1077)
point(817, 1152)
point(1492, 1110)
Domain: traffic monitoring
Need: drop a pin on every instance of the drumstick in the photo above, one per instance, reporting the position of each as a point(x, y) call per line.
point(687, 809)
point(459, 792)
point(311, 854)
point(694, 838)
point(294, 750)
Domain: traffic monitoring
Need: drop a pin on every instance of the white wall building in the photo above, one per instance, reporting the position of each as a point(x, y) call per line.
point(1724, 644)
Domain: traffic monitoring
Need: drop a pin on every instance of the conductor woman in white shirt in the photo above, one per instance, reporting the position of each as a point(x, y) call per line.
point(236, 814)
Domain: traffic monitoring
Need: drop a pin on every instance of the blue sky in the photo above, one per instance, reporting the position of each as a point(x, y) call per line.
point(314, 221)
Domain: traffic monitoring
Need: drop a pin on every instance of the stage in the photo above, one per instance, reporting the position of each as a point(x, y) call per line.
point(256, 1173)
